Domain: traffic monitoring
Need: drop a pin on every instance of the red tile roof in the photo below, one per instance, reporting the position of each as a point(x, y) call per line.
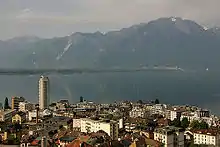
point(212, 132)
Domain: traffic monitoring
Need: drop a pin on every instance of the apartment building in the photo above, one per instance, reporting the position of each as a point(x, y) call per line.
point(6, 115)
point(206, 137)
point(138, 112)
point(110, 127)
point(26, 106)
point(170, 136)
point(15, 102)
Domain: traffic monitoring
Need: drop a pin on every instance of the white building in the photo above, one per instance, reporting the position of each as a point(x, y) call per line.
point(33, 114)
point(76, 123)
point(170, 136)
point(207, 137)
point(121, 123)
point(26, 106)
point(44, 97)
point(189, 115)
point(110, 127)
point(159, 109)
point(6, 115)
point(138, 112)
point(175, 114)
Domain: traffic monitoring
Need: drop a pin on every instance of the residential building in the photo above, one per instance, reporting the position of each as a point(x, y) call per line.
point(175, 114)
point(26, 106)
point(32, 115)
point(15, 102)
point(159, 109)
point(206, 137)
point(121, 123)
point(138, 112)
point(189, 115)
point(202, 113)
point(6, 115)
point(44, 97)
point(170, 136)
point(19, 117)
point(76, 124)
point(110, 127)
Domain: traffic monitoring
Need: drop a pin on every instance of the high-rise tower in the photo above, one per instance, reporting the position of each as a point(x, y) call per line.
point(44, 95)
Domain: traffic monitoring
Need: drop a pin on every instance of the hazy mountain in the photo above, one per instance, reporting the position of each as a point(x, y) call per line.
point(165, 41)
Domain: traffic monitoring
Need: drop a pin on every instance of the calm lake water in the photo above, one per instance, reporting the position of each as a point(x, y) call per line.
point(195, 88)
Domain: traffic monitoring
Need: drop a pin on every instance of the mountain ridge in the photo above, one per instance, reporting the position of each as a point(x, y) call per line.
point(165, 41)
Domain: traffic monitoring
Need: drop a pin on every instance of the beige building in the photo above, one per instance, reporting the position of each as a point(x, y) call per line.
point(26, 106)
point(110, 127)
point(44, 94)
point(20, 117)
point(170, 136)
point(15, 102)
point(206, 137)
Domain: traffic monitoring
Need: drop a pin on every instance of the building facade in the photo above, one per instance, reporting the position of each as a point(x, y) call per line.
point(6, 115)
point(138, 112)
point(44, 97)
point(76, 124)
point(175, 114)
point(26, 106)
point(19, 118)
point(110, 127)
point(15, 102)
point(206, 137)
point(170, 136)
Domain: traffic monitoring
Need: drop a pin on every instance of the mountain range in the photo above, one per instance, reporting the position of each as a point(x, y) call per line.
point(166, 41)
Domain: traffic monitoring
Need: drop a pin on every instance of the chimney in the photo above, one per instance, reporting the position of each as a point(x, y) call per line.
point(37, 112)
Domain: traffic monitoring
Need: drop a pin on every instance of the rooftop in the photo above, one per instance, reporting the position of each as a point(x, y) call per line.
point(211, 132)
point(168, 130)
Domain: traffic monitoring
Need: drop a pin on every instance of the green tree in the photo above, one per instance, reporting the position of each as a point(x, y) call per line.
point(195, 124)
point(81, 99)
point(109, 116)
point(185, 122)
point(199, 125)
point(140, 102)
point(157, 101)
point(204, 125)
point(6, 105)
point(176, 123)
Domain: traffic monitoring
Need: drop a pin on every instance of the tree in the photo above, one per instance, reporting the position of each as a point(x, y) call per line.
point(157, 101)
point(109, 116)
point(140, 102)
point(195, 124)
point(204, 125)
point(6, 105)
point(199, 125)
point(81, 99)
point(176, 123)
point(185, 122)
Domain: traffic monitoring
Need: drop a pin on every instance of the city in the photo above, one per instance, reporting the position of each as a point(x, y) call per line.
point(119, 124)
point(109, 73)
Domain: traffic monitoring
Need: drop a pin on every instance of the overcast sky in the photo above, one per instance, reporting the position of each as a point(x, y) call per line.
point(49, 18)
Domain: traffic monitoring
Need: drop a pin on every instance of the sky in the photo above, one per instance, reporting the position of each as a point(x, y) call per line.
point(53, 18)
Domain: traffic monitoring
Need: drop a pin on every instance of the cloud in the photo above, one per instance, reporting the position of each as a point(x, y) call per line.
point(24, 14)
point(93, 15)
